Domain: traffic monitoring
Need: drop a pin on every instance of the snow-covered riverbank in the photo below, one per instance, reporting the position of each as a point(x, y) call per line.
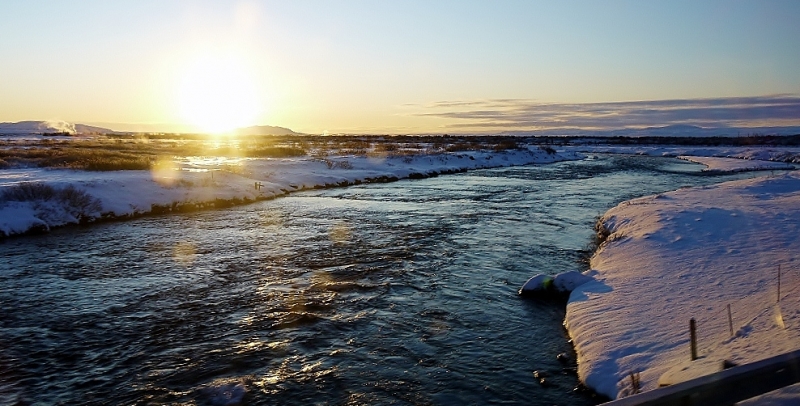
point(190, 184)
point(689, 254)
point(714, 164)
point(755, 153)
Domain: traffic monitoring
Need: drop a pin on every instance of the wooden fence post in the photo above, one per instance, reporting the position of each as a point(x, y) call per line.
point(693, 338)
point(730, 319)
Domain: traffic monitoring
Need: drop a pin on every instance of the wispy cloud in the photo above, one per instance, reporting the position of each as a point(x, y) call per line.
point(773, 110)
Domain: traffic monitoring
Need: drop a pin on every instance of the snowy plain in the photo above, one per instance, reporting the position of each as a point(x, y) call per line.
point(687, 253)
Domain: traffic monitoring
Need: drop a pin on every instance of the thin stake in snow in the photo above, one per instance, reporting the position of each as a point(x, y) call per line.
point(693, 338)
point(779, 283)
point(730, 319)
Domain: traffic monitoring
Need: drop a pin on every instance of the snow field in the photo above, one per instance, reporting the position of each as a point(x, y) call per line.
point(689, 254)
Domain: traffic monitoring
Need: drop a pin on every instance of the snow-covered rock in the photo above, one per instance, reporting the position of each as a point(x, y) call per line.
point(537, 284)
point(568, 281)
point(563, 283)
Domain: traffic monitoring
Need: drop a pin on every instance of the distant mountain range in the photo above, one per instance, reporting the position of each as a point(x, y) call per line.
point(677, 130)
point(680, 130)
point(63, 127)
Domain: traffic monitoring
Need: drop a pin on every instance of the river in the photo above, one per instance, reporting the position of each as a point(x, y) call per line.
point(398, 293)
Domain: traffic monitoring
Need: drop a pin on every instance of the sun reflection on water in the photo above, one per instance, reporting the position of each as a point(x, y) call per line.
point(340, 233)
point(184, 253)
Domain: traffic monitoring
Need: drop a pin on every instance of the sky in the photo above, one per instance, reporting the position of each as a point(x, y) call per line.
point(352, 66)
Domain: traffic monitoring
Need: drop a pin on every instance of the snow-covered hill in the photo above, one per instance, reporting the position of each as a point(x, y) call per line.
point(49, 127)
point(264, 130)
point(37, 127)
point(90, 129)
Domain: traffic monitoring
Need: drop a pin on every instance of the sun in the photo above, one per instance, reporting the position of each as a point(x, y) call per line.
point(217, 95)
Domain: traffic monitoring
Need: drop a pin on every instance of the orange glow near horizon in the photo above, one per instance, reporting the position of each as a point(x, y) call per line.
point(217, 95)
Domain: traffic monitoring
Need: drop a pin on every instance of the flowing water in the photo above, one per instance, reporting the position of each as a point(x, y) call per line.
point(400, 293)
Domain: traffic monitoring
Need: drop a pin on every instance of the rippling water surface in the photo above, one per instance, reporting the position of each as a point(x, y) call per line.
point(400, 293)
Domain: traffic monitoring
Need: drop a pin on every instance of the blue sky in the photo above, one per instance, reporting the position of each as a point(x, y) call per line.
point(380, 66)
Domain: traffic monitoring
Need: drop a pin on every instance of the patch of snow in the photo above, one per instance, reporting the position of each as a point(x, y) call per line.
point(714, 164)
point(568, 281)
point(787, 396)
point(20, 217)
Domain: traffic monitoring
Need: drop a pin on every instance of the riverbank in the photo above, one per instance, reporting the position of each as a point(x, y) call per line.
point(688, 254)
point(731, 165)
point(752, 153)
point(61, 196)
point(67, 196)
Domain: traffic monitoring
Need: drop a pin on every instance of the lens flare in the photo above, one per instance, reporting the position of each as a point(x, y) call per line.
point(165, 172)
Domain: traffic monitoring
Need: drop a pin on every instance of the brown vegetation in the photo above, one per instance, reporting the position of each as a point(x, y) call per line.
point(126, 152)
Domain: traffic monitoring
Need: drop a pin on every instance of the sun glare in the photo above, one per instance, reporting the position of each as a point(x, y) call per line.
point(217, 95)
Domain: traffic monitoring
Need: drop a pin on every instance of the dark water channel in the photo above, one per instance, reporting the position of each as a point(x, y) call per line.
point(400, 293)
